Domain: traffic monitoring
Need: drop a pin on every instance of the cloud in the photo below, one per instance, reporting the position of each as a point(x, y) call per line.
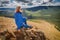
point(46, 0)
point(51, 3)
point(47, 3)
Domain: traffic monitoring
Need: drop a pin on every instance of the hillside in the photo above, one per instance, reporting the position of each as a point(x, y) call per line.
point(49, 30)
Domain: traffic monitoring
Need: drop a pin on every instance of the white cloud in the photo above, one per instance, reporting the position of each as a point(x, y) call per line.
point(46, 0)
point(35, 3)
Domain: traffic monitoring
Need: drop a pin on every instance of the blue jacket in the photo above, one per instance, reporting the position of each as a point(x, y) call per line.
point(18, 19)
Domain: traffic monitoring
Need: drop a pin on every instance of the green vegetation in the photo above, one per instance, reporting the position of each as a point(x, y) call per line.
point(45, 13)
point(51, 15)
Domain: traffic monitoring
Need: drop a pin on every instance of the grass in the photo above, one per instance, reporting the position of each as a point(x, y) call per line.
point(54, 33)
point(52, 21)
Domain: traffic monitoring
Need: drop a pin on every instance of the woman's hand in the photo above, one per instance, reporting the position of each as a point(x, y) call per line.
point(21, 10)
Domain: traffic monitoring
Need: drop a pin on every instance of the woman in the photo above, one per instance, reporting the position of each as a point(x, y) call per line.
point(19, 19)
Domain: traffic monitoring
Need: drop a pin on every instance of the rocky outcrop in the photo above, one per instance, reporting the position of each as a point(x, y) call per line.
point(24, 35)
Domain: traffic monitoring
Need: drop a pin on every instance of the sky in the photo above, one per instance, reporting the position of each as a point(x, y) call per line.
point(13, 3)
point(57, 0)
point(48, 0)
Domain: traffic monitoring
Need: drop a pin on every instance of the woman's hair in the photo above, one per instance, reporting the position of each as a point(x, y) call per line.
point(18, 8)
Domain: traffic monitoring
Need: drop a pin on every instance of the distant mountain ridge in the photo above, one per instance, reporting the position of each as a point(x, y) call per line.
point(33, 8)
point(41, 8)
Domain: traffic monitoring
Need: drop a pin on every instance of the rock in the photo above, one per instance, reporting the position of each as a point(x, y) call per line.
point(27, 35)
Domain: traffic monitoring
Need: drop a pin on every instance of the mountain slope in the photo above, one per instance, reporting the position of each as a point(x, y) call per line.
point(47, 28)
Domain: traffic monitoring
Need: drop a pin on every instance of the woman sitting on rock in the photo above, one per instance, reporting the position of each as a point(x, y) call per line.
point(20, 20)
